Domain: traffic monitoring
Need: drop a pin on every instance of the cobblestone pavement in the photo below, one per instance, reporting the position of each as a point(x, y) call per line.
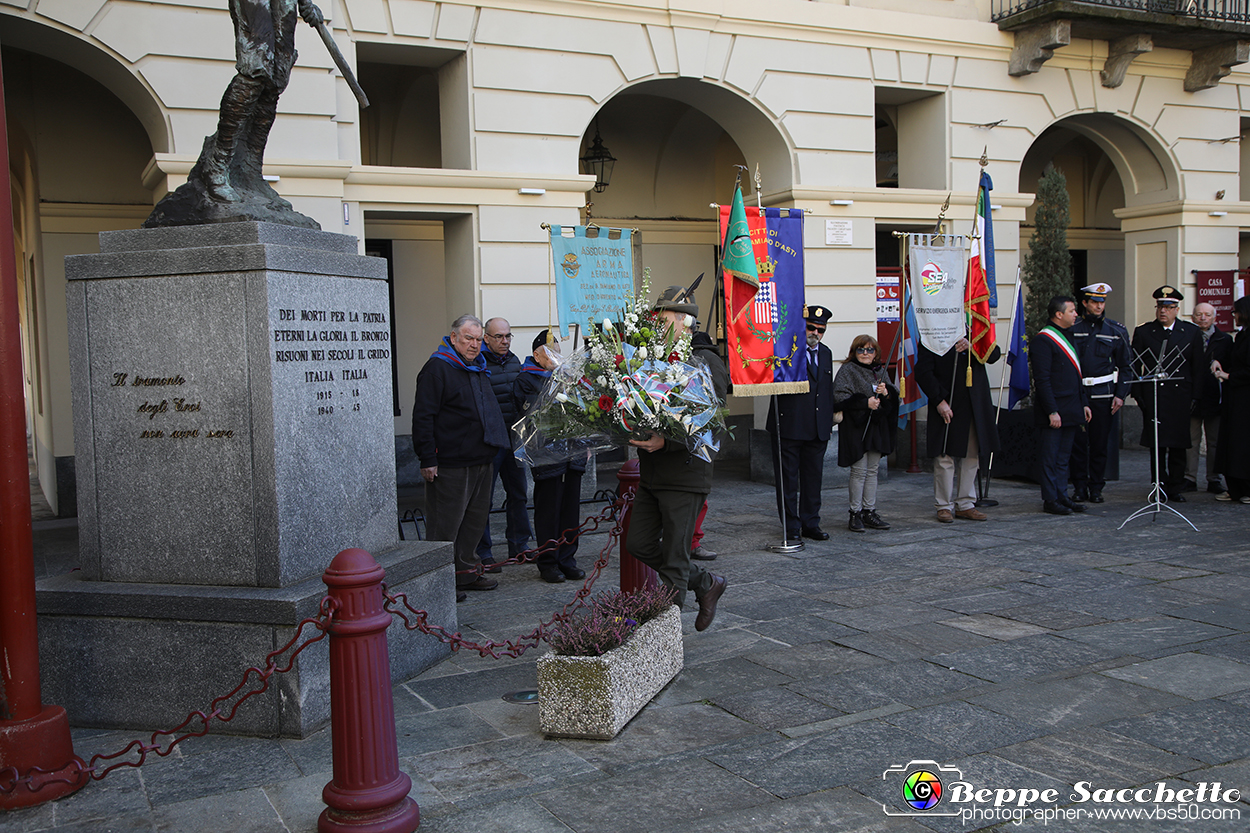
point(1030, 652)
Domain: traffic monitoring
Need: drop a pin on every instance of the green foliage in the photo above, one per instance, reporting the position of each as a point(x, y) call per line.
point(1047, 269)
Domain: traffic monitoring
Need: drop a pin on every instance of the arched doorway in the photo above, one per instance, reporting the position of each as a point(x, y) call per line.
point(1112, 167)
point(677, 142)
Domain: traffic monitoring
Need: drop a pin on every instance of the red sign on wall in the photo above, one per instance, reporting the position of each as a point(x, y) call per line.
point(1216, 288)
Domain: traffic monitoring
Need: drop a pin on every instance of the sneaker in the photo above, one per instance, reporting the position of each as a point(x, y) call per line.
point(872, 520)
point(702, 553)
point(1224, 497)
point(856, 523)
point(1245, 498)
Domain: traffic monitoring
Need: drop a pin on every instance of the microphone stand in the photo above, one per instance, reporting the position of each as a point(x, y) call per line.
point(1165, 371)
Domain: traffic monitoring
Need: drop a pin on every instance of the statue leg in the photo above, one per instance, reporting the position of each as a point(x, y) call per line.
point(237, 104)
point(264, 113)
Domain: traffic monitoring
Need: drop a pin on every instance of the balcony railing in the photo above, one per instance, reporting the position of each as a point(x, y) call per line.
point(1229, 11)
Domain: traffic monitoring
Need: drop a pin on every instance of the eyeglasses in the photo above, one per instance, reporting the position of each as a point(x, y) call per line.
point(865, 351)
point(500, 336)
point(812, 328)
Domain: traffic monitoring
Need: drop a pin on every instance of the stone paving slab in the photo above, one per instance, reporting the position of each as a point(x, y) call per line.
point(1194, 676)
point(1211, 731)
point(1074, 702)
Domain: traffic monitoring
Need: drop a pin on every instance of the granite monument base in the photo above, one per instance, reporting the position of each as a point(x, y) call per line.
point(122, 655)
point(233, 414)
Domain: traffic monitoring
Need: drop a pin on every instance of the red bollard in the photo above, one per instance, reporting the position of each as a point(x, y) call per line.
point(34, 737)
point(368, 793)
point(634, 574)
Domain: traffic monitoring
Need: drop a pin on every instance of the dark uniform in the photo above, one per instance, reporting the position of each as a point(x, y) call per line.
point(673, 484)
point(1177, 354)
point(1103, 347)
point(806, 426)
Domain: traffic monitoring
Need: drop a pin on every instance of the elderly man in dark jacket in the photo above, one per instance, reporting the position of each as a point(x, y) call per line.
point(504, 368)
point(960, 426)
point(1216, 347)
point(457, 430)
point(1062, 402)
point(673, 485)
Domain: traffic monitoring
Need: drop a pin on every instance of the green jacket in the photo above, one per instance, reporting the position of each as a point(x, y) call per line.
point(674, 467)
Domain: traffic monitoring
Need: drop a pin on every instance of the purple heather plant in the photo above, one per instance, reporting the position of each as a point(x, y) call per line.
point(608, 621)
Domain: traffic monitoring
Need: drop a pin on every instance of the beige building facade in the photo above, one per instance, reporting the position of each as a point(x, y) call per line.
point(865, 115)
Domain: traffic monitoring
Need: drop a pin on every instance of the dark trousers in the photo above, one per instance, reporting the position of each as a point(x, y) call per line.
point(1173, 475)
point(661, 523)
point(512, 474)
point(1055, 451)
point(1089, 449)
point(457, 506)
point(557, 510)
point(798, 482)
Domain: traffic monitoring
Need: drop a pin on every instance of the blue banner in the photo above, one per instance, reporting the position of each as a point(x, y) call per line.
point(595, 273)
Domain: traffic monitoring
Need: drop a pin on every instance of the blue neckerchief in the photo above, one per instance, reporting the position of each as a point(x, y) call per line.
point(531, 366)
point(448, 354)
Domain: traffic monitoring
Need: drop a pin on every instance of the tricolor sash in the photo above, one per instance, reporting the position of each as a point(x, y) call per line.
point(1056, 335)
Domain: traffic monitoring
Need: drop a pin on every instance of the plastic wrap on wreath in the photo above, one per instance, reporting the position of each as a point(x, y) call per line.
point(587, 407)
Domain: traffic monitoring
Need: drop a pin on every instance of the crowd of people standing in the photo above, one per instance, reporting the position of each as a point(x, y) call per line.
point(1191, 381)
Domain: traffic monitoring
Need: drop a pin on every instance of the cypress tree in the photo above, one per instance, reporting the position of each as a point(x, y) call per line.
point(1047, 269)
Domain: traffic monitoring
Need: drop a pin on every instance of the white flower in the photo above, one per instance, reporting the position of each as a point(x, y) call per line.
point(642, 353)
point(607, 323)
point(560, 397)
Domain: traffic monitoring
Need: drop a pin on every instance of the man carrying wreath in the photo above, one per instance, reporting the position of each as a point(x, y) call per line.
point(674, 483)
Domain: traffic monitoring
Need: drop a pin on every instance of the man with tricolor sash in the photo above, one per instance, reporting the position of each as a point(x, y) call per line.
point(1062, 402)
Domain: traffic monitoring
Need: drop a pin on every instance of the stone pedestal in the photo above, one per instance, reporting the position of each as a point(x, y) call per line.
point(233, 431)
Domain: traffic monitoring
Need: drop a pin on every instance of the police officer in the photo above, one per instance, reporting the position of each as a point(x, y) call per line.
point(1103, 348)
point(806, 424)
point(1167, 356)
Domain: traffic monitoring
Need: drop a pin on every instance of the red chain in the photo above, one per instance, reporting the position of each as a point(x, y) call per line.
point(218, 709)
point(519, 645)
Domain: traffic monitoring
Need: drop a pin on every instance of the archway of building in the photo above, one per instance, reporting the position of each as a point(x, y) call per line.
point(676, 142)
point(1109, 164)
point(77, 156)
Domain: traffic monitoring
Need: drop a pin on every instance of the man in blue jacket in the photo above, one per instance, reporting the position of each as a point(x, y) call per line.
point(504, 368)
point(457, 430)
point(1062, 402)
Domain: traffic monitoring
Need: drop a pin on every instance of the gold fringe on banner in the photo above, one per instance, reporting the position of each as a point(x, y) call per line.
point(769, 388)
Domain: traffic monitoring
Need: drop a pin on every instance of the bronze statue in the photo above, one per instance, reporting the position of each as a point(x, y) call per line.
point(226, 183)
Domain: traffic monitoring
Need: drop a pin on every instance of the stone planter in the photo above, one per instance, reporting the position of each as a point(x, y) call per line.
point(594, 697)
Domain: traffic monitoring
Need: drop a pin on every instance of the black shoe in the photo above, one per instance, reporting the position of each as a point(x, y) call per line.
point(1174, 496)
point(573, 573)
point(482, 583)
point(707, 604)
point(856, 524)
point(815, 533)
point(1189, 486)
point(552, 578)
point(1080, 494)
point(1075, 507)
point(491, 567)
point(1052, 508)
point(1215, 488)
point(1096, 497)
point(702, 553)
point(872, 520)
point(461, 596)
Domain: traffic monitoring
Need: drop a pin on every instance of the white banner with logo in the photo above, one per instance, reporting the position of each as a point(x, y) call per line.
point(937, 268)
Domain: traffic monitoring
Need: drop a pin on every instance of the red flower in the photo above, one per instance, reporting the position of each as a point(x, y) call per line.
point(672, 357)
point(605, 403)
point(619, 359)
